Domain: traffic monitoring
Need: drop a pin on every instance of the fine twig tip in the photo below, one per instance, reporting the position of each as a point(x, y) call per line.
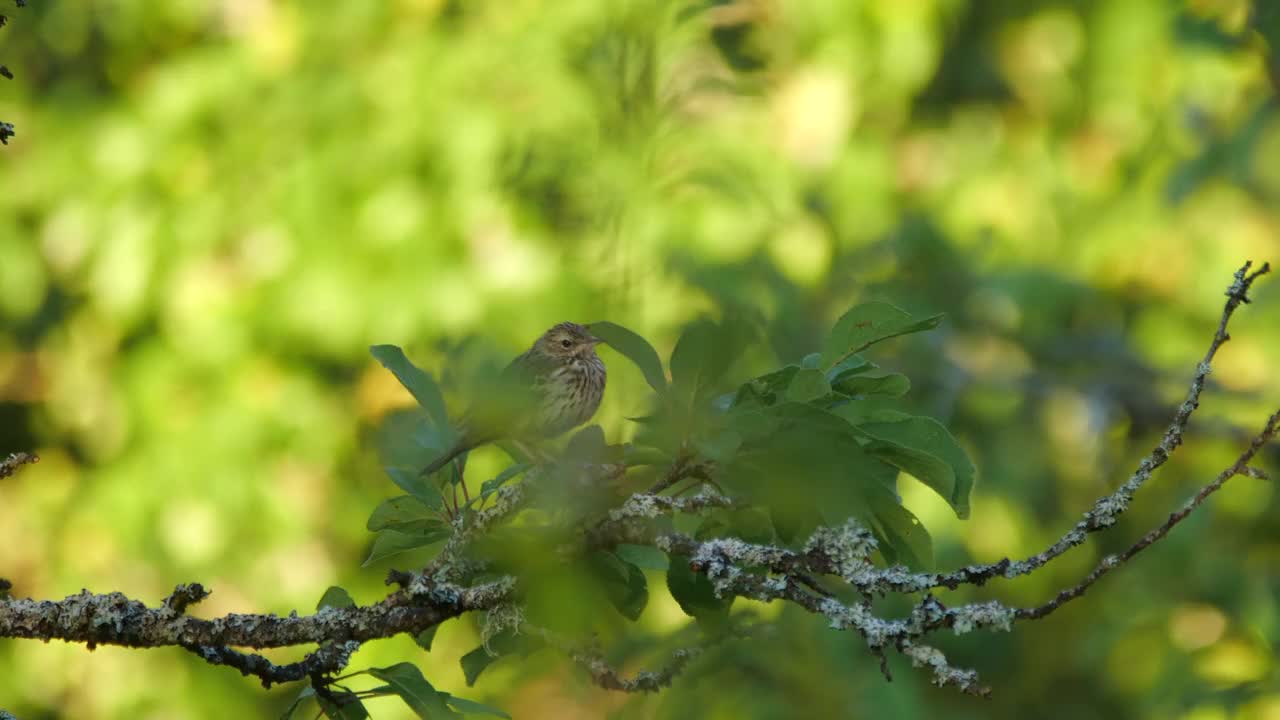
point(14, 461)
point(185, 596)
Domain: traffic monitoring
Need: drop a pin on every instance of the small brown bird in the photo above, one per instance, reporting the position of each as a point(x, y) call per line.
point(552, 387)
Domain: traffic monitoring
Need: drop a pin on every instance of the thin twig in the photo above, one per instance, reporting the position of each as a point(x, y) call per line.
point(15, 461)
point(1111, 562)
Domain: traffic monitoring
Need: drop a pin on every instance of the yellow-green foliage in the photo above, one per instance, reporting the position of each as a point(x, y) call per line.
point(212, 209)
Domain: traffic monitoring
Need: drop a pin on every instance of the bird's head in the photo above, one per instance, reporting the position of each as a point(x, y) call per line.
point(567, 341)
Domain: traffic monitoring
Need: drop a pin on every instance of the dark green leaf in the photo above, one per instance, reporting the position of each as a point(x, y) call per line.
point(345, 706)
point(406, 514)
point(635, 348)
point(505, 643)
point(642, 556)
point(893, 385)
point(392, 542)
point(474, 663)
point(426, 637)
point(413, 482)
point(471, 707)
point(307, 692)
point(924, 448)
point(865, 325)
point(623, 583)
point(417, 381)
point(417, 693)
point(335, 597)
point(808, 385)
point(694, 592)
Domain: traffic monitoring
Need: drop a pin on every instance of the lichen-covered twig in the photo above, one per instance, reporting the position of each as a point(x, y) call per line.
point(1109, 563)
point(329, 659)
point(1108, 509)
point(114, 619)
point(11, 464)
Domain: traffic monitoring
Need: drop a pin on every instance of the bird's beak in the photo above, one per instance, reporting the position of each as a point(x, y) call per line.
point(593, 341)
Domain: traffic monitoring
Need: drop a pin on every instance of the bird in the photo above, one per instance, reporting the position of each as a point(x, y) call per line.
point(551, 388)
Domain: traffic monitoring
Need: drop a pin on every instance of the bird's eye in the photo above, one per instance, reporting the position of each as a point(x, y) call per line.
point(566, 342)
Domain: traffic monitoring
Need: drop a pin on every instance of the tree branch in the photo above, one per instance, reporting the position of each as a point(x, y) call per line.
point(15, 461)
point(114, 619)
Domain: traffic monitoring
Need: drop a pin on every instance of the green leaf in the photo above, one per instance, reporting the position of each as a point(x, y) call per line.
point(695, 593)
point(346, 707)
point(808, 385)
point(393, 542)
point(850, 366)
point(924, 448)
point(406, 514)
point(642, 556)
point(413, 482)
point(426, 637)
point(903, 539)
point(474, 663)
point(866, 325)
point(812, 361)
point(417, 381)
point(491, 486)
point(307, 692)
point(705, 352)
point(720, 447)
point(766, 389)
point(505, 643)
point(623, 583)
point(697, 361)
point(471, 707)
point(634, 348)
point(417, 693)
point(335, 597)
point(892, 385)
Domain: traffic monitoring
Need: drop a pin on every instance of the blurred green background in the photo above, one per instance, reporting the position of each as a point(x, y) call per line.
point(212, 209)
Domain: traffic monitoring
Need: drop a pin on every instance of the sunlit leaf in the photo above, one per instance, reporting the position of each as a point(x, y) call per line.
point(635, 348)
point(418, 382)
point(867, 324)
